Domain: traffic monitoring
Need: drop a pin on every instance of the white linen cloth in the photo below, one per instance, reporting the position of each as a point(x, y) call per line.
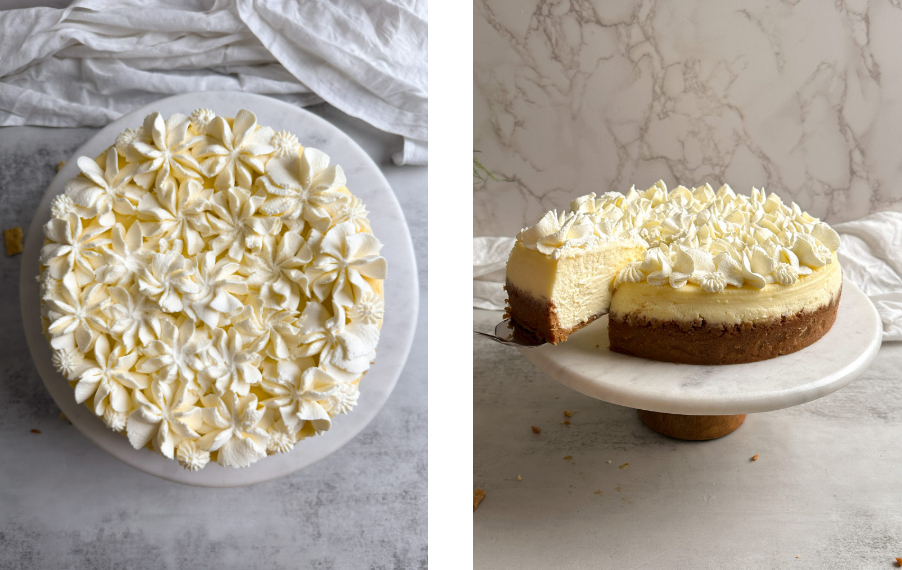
point(489, 262)
point(870, 255)
point(90, 63)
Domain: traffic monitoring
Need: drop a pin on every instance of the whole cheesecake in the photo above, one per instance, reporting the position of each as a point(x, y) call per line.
point(690, 276)
point(211, 288)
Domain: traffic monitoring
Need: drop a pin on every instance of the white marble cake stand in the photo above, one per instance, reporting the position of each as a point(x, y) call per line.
point(704, 402)
point(401, 293)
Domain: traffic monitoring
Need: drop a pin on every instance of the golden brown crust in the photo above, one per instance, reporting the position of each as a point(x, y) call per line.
point(701, 343)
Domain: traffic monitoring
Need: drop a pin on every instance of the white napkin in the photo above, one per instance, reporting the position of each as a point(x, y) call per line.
point(870, 254)
point(90, 63)
point(489, 261)
point(871, 257)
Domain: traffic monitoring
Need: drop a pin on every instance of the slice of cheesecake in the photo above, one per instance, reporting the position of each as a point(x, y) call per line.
point(560, 274)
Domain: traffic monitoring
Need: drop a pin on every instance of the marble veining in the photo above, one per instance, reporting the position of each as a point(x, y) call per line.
point(573, 96)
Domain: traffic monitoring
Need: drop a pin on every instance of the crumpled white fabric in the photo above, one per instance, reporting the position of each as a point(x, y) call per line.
point(870, 254)
point(90, 63)
point(489, 263)
point(871, 257)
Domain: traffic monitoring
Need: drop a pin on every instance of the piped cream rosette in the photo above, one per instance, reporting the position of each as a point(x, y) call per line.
point(211, 289)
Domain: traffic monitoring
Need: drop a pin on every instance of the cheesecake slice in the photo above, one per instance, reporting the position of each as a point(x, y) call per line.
point(553, 296)
point(561, 271)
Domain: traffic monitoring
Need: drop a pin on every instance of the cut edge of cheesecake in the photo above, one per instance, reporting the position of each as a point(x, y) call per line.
point(553, 296)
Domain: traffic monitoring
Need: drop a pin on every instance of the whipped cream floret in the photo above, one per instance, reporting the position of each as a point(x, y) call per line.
point(711, 239)
point(212, 290)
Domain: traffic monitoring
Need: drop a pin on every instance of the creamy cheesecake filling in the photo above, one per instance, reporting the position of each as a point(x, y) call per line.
point(731, 306)
point(578, 282)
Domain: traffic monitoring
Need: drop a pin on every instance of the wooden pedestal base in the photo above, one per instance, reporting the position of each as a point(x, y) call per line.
point(693, 428)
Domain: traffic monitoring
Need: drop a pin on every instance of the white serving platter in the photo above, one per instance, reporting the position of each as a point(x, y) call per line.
point(401, 291)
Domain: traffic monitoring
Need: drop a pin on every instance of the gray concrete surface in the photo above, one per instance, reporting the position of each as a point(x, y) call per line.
point(825, 492)
point(65, 503)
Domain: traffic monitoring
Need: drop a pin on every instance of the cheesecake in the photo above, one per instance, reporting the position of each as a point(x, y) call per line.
point(689, 275)
point(211, 288)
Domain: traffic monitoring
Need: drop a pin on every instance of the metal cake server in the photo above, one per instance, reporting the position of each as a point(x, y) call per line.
point(509, 335)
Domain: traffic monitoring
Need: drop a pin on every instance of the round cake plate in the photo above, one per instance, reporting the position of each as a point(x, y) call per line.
point(704, 402)
point(401, 290)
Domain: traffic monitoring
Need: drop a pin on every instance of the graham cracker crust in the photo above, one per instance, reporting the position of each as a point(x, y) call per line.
point(701, 343)
point(538, 317)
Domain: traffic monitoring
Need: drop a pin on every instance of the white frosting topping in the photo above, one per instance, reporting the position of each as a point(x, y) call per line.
point(68, 362)
point(300, 186)
point(211, 289)
point(167, 418)
point(191, 456)
point(714, 240)
point(279, 442)
point(235, 152)
point(284, 144)
point(368, 310)
point(235, 434)
point(61, 205)
point(301, 394)
point(114, 420)
point(167, 158)
point(201, 118)
point(344, 398)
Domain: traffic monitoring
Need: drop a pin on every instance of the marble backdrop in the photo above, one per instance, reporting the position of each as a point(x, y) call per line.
point(803, 98)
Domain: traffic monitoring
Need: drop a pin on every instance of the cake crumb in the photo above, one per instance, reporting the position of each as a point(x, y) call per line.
point(625, 465)
point(35, 431)
point(536, 429)
point(609, 460)
point(597, 493)
point(519, 477)
point(568, 457)
point(755, 457)
point(60, 165)
point(617, 488)
point(478, 496)
point(13, 238)
point(566, 422)
point(568, 413)
point(799, 556)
